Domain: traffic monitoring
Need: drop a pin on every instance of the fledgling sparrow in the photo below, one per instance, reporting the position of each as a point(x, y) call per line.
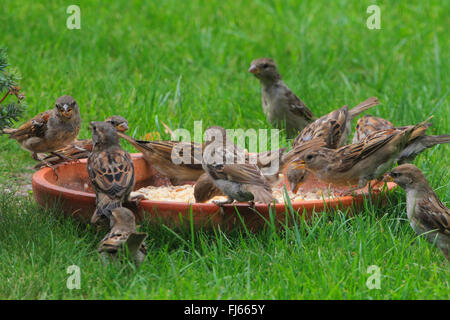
point(331, 130)
point(238, 180)
point(80, 149)
point(357, 164)
point(417, 144)
point(123, 238)
point(280, 105)
point(424, 209)
point(110, 170)
point(51, 130)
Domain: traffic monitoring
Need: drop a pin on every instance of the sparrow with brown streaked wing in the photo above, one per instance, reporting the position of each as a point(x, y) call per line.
point(357, 164)
point(368, 124)
point(417, 144)
point(330, 130)
point(335, 126)
point(123, 238)
point(51, 130)
point(241, 182)
point(424, 209)
point(80, 149)
point(110, 170)
point(187, 167)
point(280, 105)
point(205, 188)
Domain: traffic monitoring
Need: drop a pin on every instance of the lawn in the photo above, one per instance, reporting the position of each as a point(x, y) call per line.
point(181, 61)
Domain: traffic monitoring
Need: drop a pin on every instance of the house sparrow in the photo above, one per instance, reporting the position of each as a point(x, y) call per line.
point(160, 156)
point(51, 130)
point(424, 209)
point(335, 126)
point(110, 169)
point(80, 149)
point(368, 124)
point(238, 180)
point(330, 130)
point(123, 237)
point(205, 189)
point(280, 105)
point(357, 164)
point(417, 144)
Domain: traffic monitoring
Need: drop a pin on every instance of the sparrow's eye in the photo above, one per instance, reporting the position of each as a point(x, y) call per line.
point(395, 174)
point(265, 65)
point(309, 157)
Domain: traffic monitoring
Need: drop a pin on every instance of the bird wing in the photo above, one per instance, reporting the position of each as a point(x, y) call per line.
point(368, 125)
point(163, 149)
point(433, 214)
point(112, 173)
point(298, 107)
point(351, 154)
point(330, 128)
point(241, 173)
point(35, 127)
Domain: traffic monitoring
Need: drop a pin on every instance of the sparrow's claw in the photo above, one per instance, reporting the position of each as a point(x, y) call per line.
point(137, 199)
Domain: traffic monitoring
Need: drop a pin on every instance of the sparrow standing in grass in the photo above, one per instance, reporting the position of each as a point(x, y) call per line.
point(123, 237)
point(369, 125)
point(426, 213)
point(357, 164)
point(280, 105)
point(241, 182)
point(110, 169)
point(51, 130)
point(330, 131)
point(80, 149)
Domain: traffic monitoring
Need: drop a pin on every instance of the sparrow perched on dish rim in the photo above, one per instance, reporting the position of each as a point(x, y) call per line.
point(330, 131)
point(426, 213)
point(369, 125)
point(123, 238)
point(238, 180)
point(357, 164)
point(80, 149)
point(110, 170)
point(51, 130)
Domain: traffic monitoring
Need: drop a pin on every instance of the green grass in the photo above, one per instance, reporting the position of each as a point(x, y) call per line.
point(178, 62)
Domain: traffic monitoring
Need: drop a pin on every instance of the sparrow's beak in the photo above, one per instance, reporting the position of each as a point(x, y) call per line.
point(66, 111)
point(253, 69)
point(122, 127)
point(294, 187)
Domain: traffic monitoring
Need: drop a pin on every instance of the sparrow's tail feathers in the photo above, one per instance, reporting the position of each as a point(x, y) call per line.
point(419, 145)
point(430, 141)
point(363, 106)
point(104, 208)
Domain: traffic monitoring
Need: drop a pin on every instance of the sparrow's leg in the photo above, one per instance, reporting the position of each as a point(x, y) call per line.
point(137, 199)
